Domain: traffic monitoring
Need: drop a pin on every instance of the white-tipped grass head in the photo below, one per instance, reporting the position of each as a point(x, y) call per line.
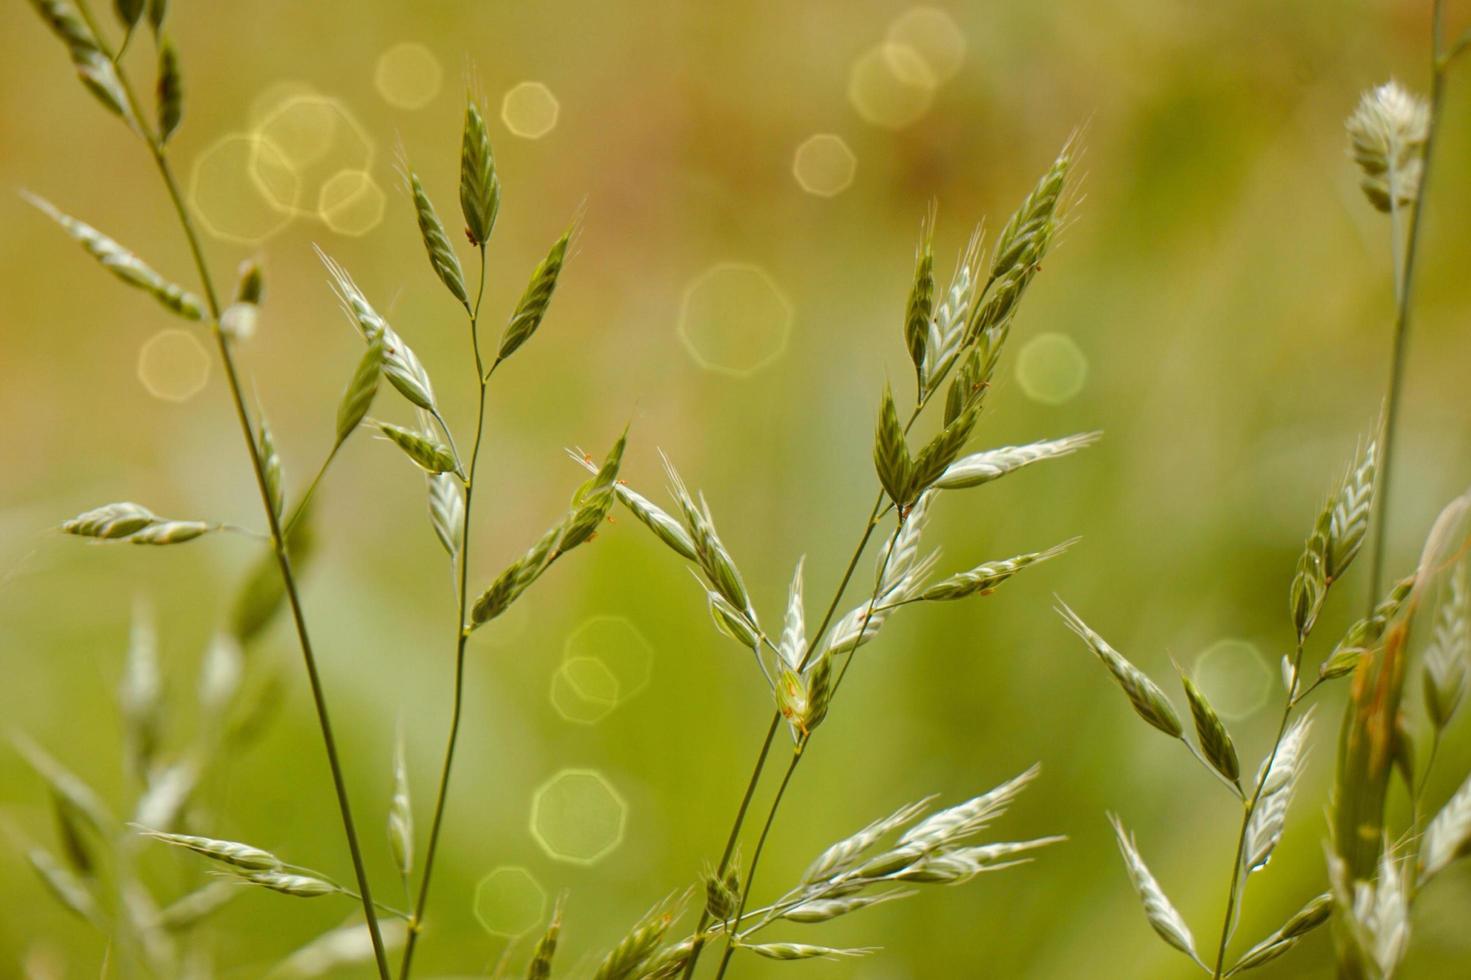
point(1387, 134)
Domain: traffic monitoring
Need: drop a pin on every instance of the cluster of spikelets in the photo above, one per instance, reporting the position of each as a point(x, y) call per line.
point(1373, 877)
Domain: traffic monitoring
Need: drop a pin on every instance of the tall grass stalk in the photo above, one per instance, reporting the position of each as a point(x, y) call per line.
point(155, 141)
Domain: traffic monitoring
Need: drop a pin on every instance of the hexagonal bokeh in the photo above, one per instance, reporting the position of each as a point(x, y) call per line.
point(933, 34)
point(173, 365)
point(408, 76)
point(578, 817)
point(351, 202)
point(1051, 368)
point(510, 901)
point(824, 165)
point(1235, 677)
point(735, 319)
point(620, 646)
point(584, 690)
point(319, 140)
point(530, 110)
point(891, 85)
point(243, 189)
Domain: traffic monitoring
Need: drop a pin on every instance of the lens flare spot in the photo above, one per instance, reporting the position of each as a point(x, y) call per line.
point(530, 110)
point(1234, 677)
point(932, 34)
point(408, 76)
point(891, 85)
point(735, 319)
point(1051, 368)
point(243, 189)
point(510, 901)
point(351, 202)
point(577, 817)
point(584, 690)
point(173, 365)
point(318, 138)
point(619, 645)
point(824, 165)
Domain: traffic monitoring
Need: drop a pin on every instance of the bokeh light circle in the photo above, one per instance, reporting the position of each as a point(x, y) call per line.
point(1234, 677)
point(530, 110)
point(824, 165)
point(584, 691)
point(408, 76)
point(510, 901)
point(351, 202)
point(243, 189)
point(1051, 368)
point(173, 365)
point(577, 817)
point(891, 85)
point(735, 319)
point(932, 34)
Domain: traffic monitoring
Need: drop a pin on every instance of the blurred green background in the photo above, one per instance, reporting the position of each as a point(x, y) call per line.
point(1223, 290)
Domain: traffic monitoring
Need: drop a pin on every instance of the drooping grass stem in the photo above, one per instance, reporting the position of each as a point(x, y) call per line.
point(278, 538)
point(462, 634)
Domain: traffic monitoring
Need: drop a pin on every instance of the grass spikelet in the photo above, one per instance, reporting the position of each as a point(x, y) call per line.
point(1448, 836)
point(979, 468)
point(1365, 635)
point(966, 819)
point(65, 886)
point(71, 792)
point(94, 68)
point(637, 947)
point(793, 643)
point(289, 883)
point(1148, 700)
point(270, 465)
point(232, 853)
point(843, 855)
point(540, 967)
point(122, 263)
point(891, 454)
point(196, 906)
point(170, 91)
point(1215, 740)
point(1387, 134)
point(427, 453)
point(1444, 678)
point(650, 514)
point(593, 500)
point(1312, 915)
point(446, 511)
point(1350, 509)
point(984, 579)
point(516, 579)
point(129, 12)
point(804, 951)
point(480, 188)
point(140, 694)
point(401, 365)
point(360, 391)
point(710, 553)
point(169, 532)
point(111, 521)
point(401, 815)
point(948, 322)
point(532, 307)
point(1269, 815)
point(1158, 909)
point(442, 255)
point(827, 909)
point(920, 308)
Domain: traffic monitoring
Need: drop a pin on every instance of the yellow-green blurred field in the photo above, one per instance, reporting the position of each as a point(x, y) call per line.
point(1219, 305)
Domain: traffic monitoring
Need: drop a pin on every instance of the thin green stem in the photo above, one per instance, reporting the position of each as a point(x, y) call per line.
point(278, 539)
point(761, 756)
point(1233, 895)
point(786, 779)
point(462, 636)
point(1405, 281)
point(309, 492)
